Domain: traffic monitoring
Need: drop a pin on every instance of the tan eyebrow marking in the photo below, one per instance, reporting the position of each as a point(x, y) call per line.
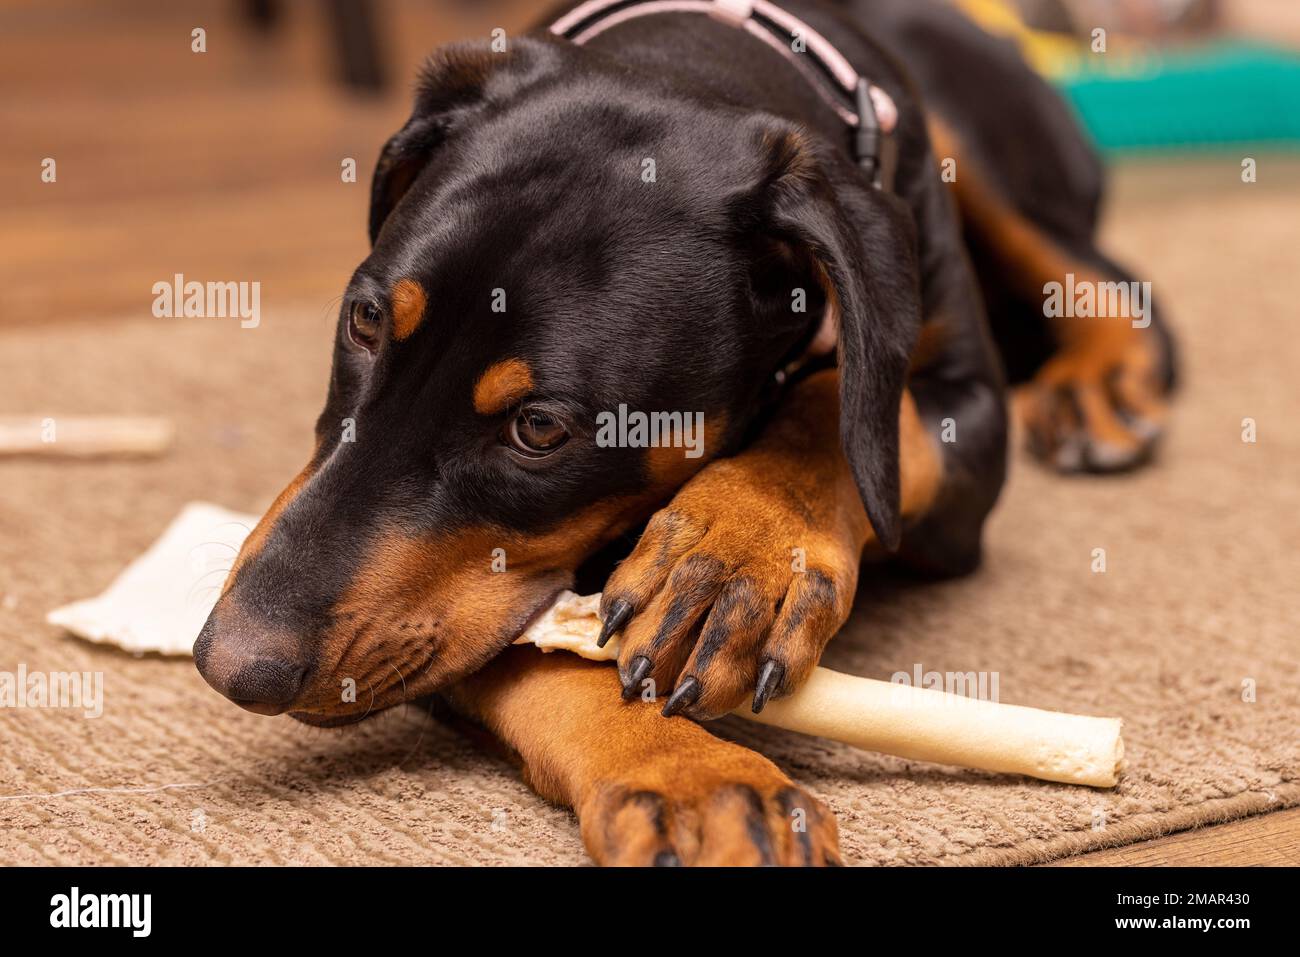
point(500, 384)
point(408, 307)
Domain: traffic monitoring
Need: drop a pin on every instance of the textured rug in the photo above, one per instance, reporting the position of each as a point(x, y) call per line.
point(1197, 603)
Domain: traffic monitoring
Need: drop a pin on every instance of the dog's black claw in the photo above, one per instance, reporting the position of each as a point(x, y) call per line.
point(667, 859)
point(769, 679)
point(619, 612)
point(683, 696)
point(635, 675)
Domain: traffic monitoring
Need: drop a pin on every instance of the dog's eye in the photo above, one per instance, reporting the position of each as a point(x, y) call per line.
point(536, 433)
point(364, 321)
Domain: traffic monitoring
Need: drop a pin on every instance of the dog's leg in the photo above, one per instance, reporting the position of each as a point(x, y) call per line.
point(1098, 352)
point(956, 380)
point(646, 789)
point(959, 398)
point(738, 583)
point(1099, 403)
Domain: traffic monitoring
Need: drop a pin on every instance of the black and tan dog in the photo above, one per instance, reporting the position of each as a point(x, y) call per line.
point(527, 274)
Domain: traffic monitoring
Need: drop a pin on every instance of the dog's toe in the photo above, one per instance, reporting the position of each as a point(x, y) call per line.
point(1086, 415)
point(717, 609)
point(743, 813)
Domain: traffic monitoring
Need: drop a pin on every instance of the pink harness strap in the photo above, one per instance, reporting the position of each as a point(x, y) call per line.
point(873, 116)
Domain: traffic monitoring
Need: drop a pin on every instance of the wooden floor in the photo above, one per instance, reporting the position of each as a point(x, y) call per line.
point(1269, 840)
point(174, 161)
point(222, 165)
point(226, 165)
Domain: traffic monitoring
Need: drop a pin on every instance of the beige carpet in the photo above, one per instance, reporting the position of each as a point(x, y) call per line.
point(1200, 595)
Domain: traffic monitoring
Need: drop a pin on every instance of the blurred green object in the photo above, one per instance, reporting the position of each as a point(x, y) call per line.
point(1228, 94)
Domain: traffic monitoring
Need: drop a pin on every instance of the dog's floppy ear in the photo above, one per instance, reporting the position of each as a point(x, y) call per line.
point(862, 243)
point(451, 83)
point(456, 81)
point(400, 161)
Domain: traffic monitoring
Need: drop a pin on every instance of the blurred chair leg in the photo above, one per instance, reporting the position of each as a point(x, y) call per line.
point(263, 14)
point(356, 41)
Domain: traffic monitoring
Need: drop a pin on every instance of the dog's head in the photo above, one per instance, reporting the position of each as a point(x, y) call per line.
point(556, 252)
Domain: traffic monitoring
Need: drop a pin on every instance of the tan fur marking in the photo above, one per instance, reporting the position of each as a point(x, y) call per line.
point(408, 308)
point(931, 344)
point(668, 465)
point(425, 611)
point(502, 384)
point(641, 785)
point(920, 464)
point(1092, 351)
point(764, 546)
point(1029, 257)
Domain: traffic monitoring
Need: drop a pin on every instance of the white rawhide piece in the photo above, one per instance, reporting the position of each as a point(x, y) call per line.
point(916, 723)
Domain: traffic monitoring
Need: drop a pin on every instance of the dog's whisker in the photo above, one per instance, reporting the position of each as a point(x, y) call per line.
point(213, 543)
point(190, 595)
point(203, 595)
point(235, 524)
point(424, 728)
point(400, 677)
point(370, 707)
point(331, 307)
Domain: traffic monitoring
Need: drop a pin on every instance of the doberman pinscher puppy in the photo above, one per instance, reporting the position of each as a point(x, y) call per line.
point(665, 211)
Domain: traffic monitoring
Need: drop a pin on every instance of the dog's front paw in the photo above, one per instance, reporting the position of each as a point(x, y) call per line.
point(734, 809)
point(1099, 405)
point(733, 590)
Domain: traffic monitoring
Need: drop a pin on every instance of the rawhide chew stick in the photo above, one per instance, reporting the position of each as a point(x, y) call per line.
point(84, 436)
point(916, 723)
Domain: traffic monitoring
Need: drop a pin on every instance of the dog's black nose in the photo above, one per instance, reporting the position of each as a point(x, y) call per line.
point(245, 673)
